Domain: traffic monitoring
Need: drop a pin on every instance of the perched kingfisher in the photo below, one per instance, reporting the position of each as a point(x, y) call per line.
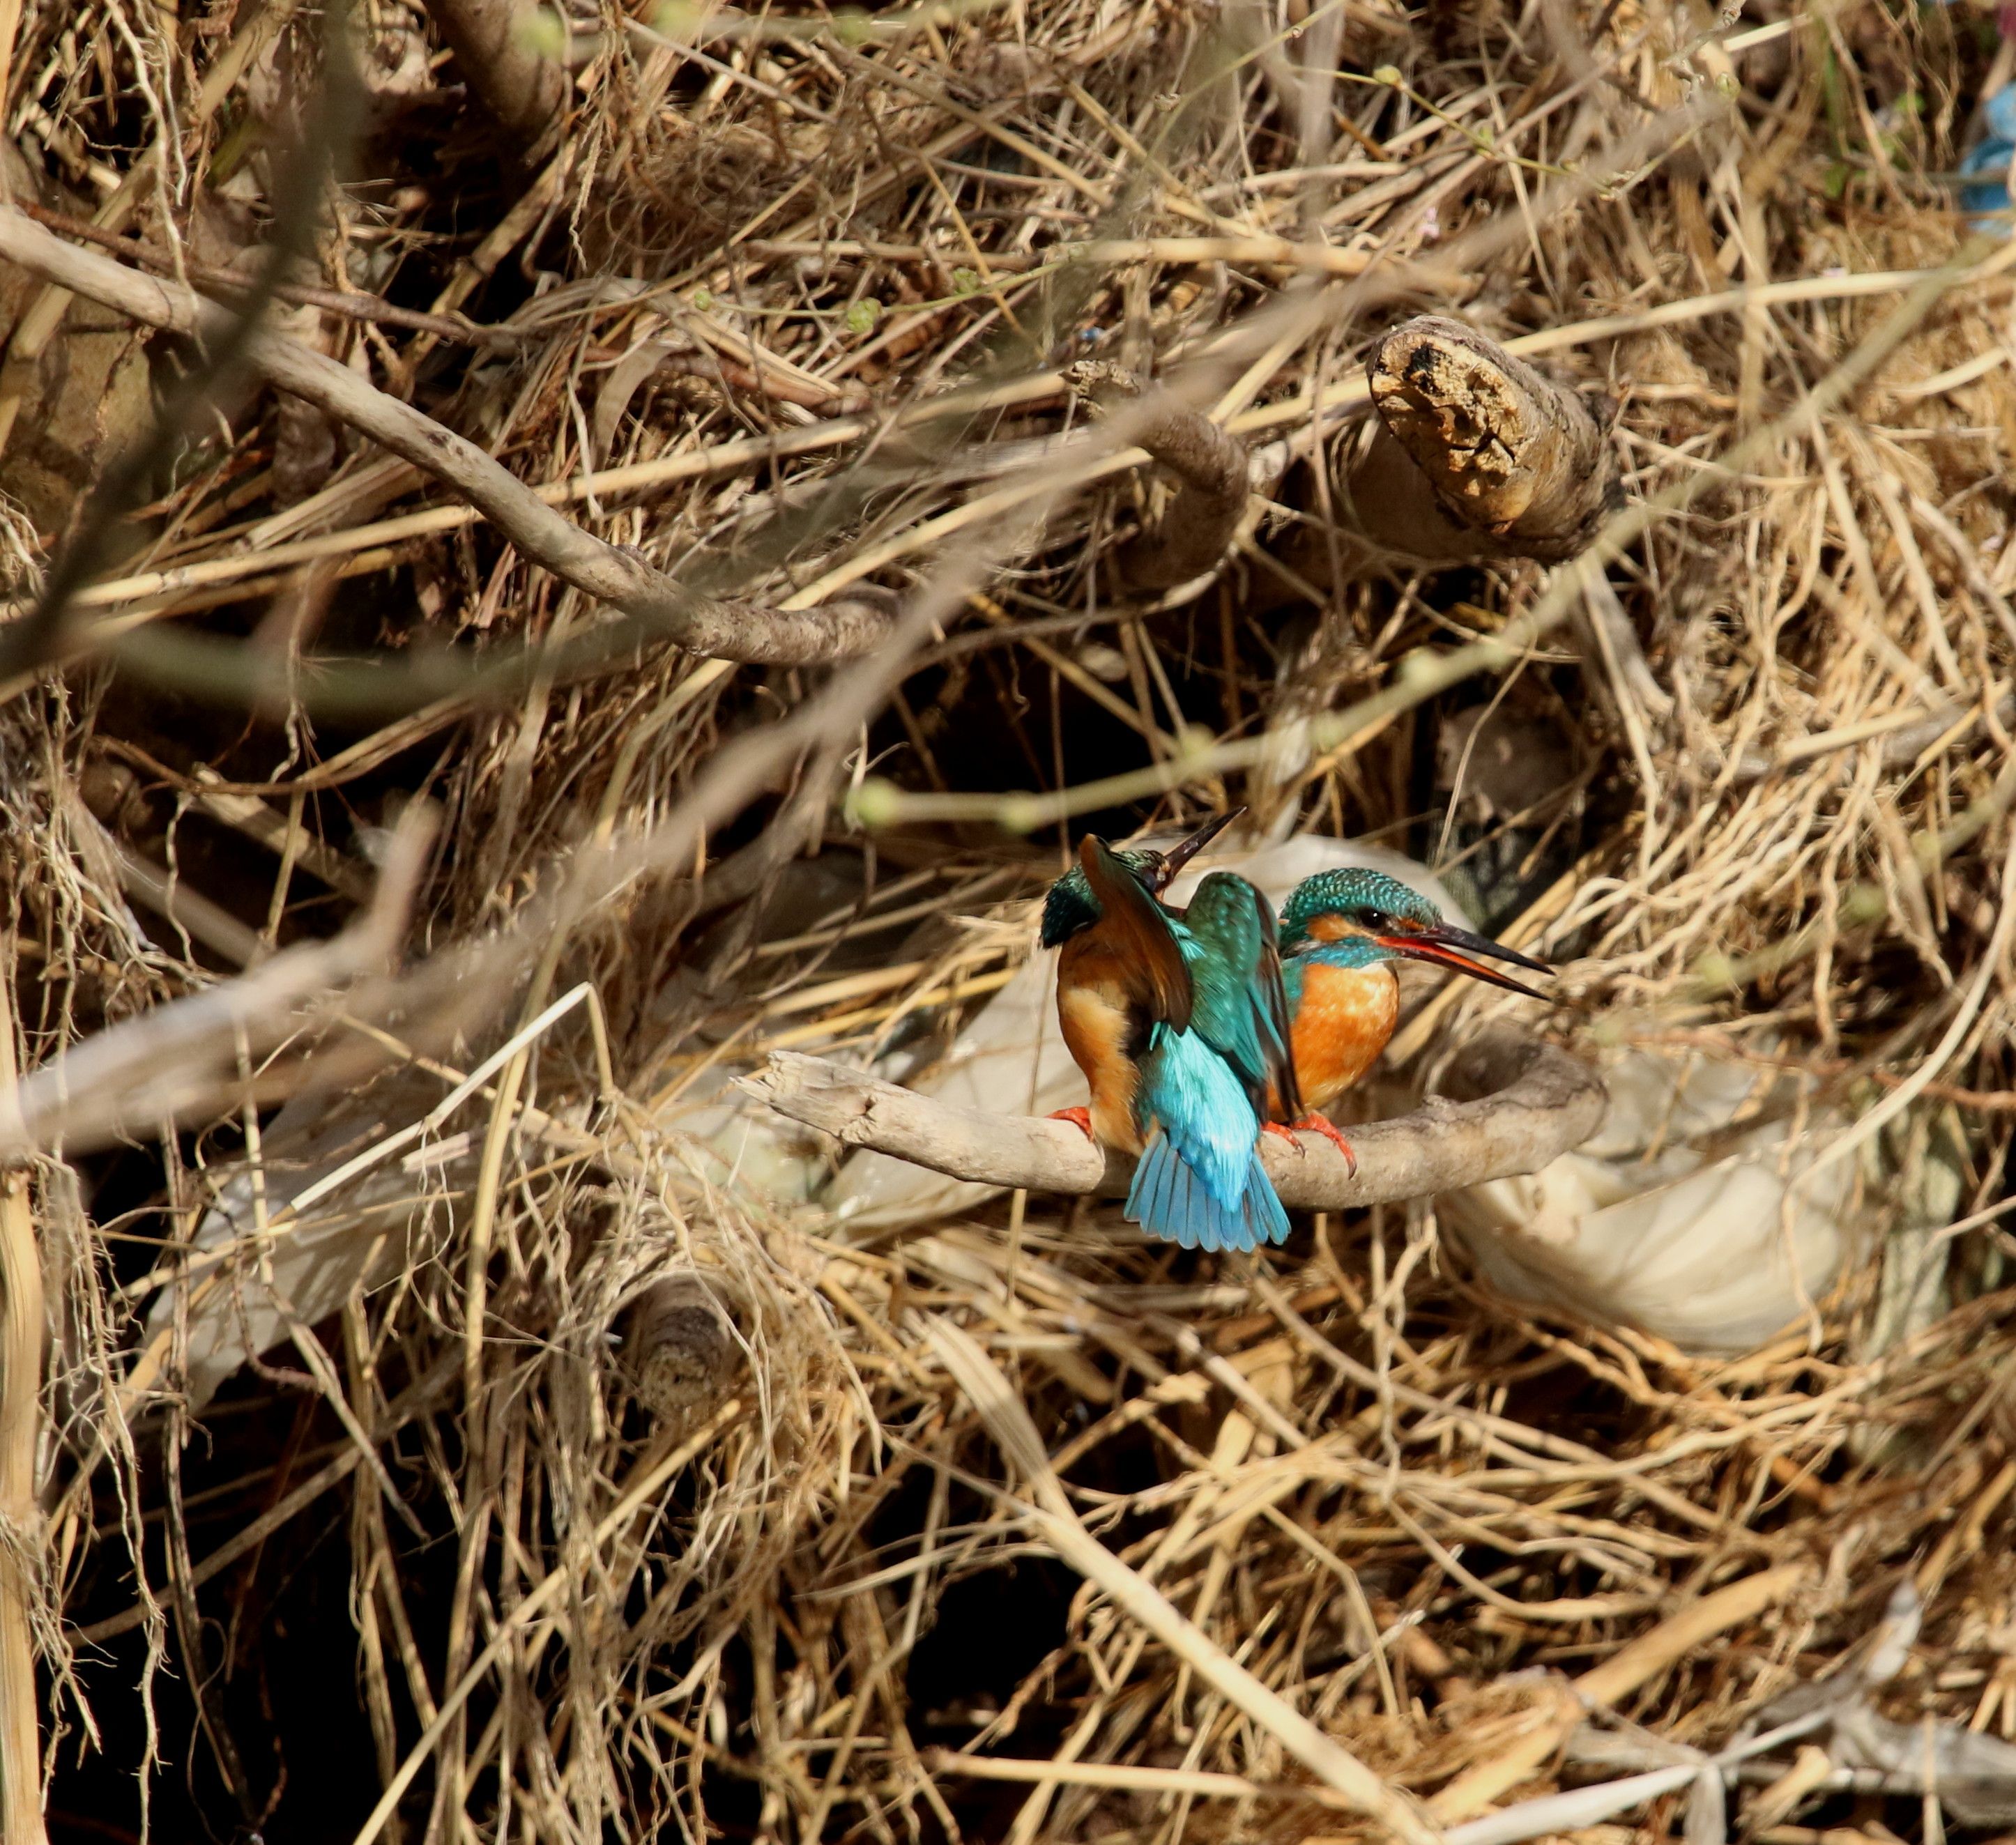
point(1341, 931)
point(1180, 1021)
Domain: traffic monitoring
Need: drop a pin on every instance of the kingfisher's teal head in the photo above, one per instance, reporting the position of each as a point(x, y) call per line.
point(1357, 918)
point(1353, 904)
point(1071, 905)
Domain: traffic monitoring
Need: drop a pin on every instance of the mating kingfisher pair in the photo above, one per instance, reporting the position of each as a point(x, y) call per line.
point(1200, 1028)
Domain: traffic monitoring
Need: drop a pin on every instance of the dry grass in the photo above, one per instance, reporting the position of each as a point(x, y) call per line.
point(763, 1586)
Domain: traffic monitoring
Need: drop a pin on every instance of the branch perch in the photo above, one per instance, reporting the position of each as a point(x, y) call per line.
point(1533, 1103)
point(737, 631)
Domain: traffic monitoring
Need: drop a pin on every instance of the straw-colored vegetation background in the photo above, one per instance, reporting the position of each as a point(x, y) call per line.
point(520, 1540)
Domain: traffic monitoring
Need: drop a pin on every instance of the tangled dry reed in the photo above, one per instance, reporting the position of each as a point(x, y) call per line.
point(773, 1575)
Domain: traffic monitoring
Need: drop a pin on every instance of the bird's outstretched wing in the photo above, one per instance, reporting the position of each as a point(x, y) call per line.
point(1239, 1006)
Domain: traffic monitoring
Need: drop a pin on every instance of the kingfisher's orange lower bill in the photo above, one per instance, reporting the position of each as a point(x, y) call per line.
point(1444, 945)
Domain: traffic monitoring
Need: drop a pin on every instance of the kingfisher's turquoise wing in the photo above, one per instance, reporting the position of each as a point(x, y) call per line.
point(1203, 1093)
point(1239, 1006)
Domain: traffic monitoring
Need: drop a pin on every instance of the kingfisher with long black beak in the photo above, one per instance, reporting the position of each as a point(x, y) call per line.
point(1340, 933)
point(1179, 1020)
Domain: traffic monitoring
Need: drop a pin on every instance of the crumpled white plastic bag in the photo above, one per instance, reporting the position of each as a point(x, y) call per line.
point(1715, 1254)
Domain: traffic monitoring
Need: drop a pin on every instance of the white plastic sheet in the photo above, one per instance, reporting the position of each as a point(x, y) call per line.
point(1714, 1251)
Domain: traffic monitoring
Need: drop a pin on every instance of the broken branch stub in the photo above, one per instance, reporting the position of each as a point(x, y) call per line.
point(1211, 466)
point(1534, 1103)
point(681, 1354)
point(1474, 455)
point(497, 47)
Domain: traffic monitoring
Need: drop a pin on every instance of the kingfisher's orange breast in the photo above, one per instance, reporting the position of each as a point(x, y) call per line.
point(1346, 1015)
point(1092, 1008)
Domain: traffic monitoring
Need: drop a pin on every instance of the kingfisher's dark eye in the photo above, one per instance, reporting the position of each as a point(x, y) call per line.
point(1374, 919)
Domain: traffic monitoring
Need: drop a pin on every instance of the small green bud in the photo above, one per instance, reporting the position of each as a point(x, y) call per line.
point(676, 20)
point(965, 281)
point(1021, 813)
point(1389, 74)
point(544, 34)
point(862, 315)
point(875, 803)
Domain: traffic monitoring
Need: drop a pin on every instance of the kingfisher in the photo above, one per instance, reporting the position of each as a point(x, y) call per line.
point(1179, 1020)
point(1340, 933)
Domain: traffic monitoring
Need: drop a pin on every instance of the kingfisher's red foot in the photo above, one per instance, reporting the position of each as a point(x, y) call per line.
point(1287, 1134)
point(1316, 1123)
point(1079, 1118)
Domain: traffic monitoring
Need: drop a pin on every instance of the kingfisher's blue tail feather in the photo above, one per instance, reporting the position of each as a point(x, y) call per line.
point(1266, 1217)
point(1169, 1199)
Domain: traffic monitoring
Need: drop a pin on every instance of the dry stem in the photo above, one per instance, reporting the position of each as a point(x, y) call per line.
point(990, 1394)
point(494, 43)
point(21, 1335)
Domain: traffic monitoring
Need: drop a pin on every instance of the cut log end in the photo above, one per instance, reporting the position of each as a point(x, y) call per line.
point(1510, 455)
point(680, 1351)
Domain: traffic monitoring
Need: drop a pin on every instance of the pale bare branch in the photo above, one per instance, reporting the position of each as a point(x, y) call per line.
point(738, 631)
point(1535, 1102)
point(153, 1067)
